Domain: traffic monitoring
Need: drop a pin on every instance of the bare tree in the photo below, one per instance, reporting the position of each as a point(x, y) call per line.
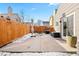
point(22, 15)
point(32, 27)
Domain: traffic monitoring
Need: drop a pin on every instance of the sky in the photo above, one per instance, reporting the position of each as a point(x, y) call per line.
point(36, 11)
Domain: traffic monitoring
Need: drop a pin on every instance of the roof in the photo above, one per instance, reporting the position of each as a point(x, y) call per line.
point(13, 16)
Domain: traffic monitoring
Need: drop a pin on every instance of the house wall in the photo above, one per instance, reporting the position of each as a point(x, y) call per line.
point(68, 8)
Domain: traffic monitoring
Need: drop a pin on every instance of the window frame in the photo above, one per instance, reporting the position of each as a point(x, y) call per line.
point(73, 13)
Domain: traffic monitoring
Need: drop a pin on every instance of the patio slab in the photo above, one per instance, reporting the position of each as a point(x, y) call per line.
point(40, 43)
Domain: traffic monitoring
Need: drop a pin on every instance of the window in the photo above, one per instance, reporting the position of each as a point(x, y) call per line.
point(56, 23)
point(70, 24)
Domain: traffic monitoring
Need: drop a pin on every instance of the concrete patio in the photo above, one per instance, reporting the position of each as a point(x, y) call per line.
point(40, 43)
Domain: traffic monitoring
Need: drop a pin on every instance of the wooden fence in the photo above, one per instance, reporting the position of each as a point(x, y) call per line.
point(10, 30)
point(40, 29)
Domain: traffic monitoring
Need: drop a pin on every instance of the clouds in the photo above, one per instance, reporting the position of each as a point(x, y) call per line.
point(53, 4)
point(33, 8)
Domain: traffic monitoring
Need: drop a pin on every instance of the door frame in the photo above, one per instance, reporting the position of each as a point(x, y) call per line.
point(73, 13)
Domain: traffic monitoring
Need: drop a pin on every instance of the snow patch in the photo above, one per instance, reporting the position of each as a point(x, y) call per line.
point(22, 39)
point(37, 54)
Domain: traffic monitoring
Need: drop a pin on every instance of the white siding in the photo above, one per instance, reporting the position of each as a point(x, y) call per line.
point(69, 8)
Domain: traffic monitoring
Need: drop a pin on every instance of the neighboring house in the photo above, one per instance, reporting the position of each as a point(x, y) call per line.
point(51, 22)
point(11, 15)
point(56, 22)
point(67, 17)
point(39, 22)
point(46, 23)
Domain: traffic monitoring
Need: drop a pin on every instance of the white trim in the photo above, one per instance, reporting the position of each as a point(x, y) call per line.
point(62, 29)
point(70, 14)
point(64, 19)
point(73, 22)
